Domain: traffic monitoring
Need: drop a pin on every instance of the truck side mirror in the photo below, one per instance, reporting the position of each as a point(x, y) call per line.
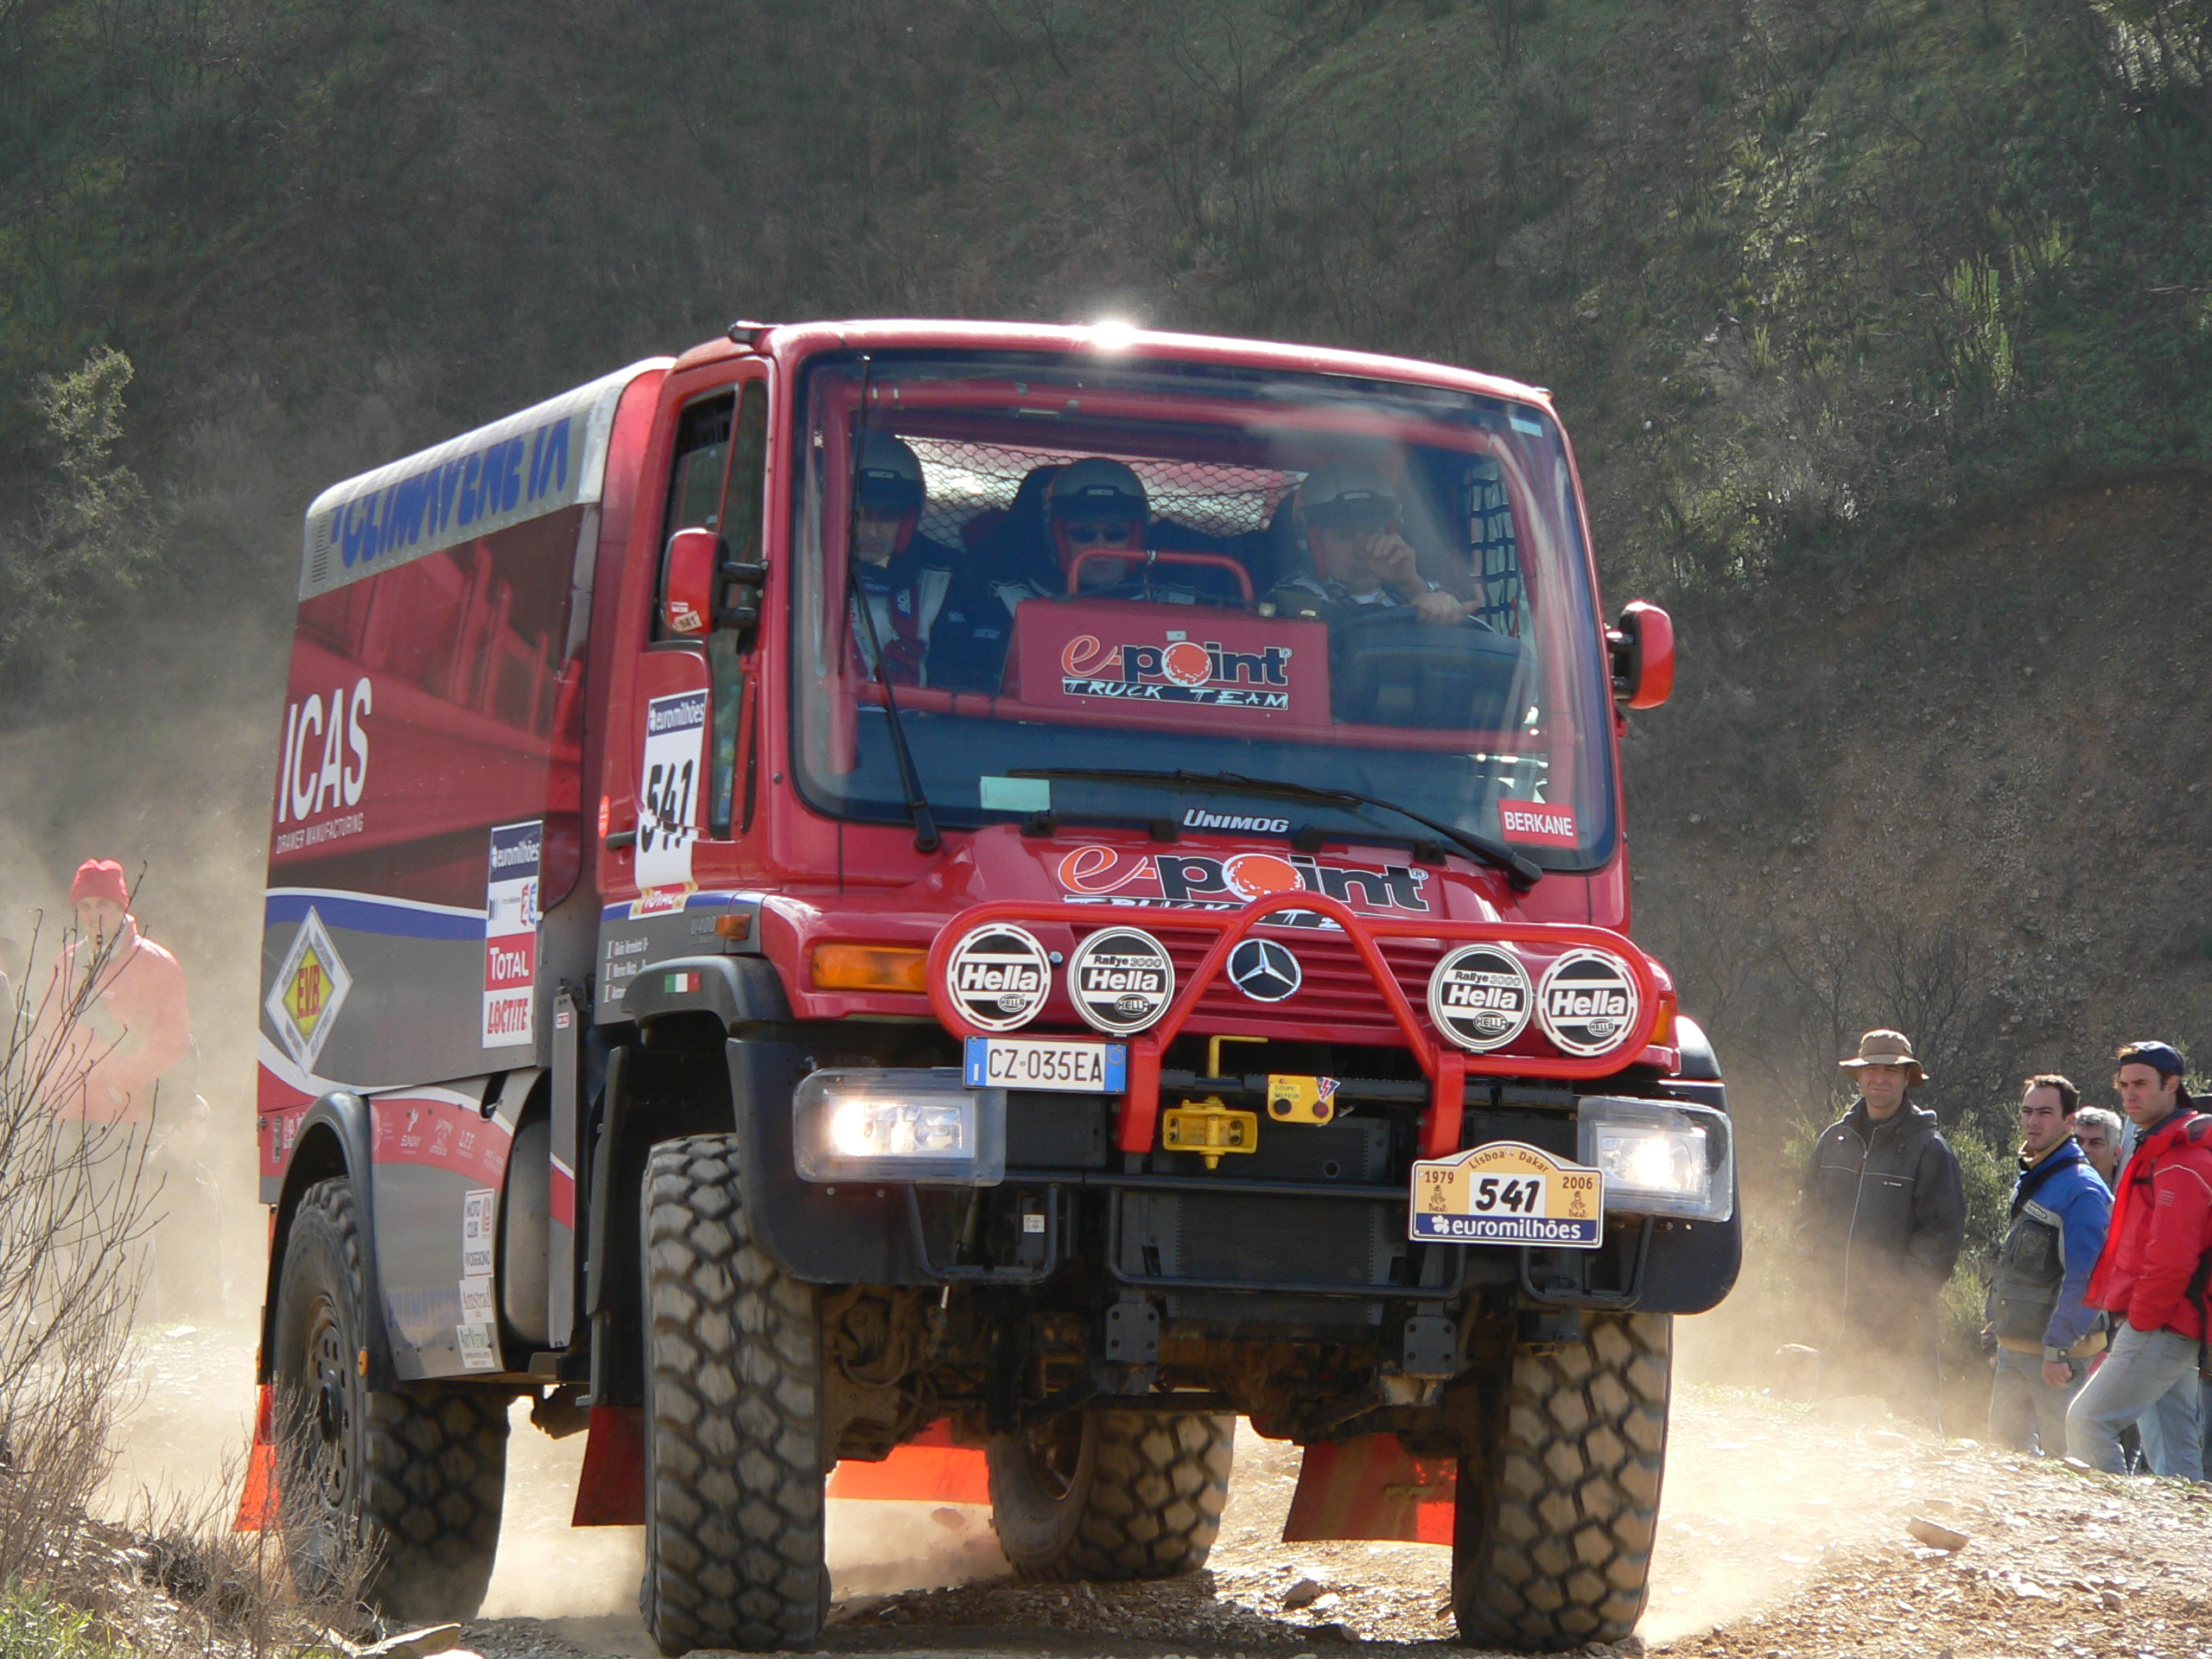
point(1643, 648)
point(688, 591)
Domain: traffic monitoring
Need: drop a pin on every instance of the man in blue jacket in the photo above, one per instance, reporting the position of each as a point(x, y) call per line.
point(2045, 1334)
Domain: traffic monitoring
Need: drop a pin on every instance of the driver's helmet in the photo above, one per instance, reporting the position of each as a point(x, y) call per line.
point(1096, 503)
point(890, 481)
point(1347, 495)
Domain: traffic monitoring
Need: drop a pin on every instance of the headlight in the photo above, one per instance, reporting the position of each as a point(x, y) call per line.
point(1661, 1157)
point(862, 1124)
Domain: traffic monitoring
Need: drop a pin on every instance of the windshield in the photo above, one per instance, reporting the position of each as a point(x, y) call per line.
point(1060, 564)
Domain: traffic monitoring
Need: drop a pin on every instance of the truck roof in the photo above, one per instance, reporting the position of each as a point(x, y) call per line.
point(783, 341)
point(553, 455)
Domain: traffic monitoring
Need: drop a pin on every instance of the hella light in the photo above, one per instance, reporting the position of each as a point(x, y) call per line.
point(865, 1124)
point(1661, 1157)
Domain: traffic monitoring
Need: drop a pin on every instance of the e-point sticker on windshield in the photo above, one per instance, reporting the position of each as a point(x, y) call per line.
point(1537, 823)
point(1507, 1192)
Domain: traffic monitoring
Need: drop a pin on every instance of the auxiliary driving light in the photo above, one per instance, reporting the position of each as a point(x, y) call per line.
point(1661, 1157)
point(868, 1124)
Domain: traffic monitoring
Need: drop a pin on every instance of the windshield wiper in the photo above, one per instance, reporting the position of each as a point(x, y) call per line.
point(1525, 872)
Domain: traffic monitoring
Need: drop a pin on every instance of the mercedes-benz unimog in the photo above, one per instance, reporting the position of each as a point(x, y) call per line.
point(1039, 888)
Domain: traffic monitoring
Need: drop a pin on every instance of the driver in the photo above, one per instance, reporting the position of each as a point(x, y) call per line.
point(902, 575)
point(1090, 507)
point(1357, 553)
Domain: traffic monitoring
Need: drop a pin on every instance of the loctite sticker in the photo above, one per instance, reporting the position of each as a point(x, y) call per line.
point(1121, 980)
point(999, 975)
point(1587, 1002)
point(1480, 997)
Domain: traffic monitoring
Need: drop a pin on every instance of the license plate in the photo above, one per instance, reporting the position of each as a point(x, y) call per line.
point(1507, 1192)
point(1069, 1064)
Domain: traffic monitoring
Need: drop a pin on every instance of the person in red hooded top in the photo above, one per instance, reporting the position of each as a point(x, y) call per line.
point(2148, 1277)
point(116, 1012)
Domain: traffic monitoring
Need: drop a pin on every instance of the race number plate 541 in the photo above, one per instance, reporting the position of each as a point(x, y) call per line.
point(1507, 1192)
point(1072, 1066)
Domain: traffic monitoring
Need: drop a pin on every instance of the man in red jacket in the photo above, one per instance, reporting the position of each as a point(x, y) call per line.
point(115, 1014)
point(2161, 1228)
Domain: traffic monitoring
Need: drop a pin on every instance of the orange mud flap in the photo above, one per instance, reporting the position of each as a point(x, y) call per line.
point(1372, 1487)
point(928, 1469)
point(611, 1491)
point(257, 1502)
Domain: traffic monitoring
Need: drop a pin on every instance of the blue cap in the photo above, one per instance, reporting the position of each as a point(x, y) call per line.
point(2160, 1056)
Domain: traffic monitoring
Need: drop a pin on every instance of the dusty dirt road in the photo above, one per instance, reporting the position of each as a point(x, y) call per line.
point(1783, 1535)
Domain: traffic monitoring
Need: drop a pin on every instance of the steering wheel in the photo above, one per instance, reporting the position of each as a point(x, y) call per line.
point(1387, 667)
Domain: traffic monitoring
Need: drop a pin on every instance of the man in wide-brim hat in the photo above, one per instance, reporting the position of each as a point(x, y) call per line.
point(1885, 1212)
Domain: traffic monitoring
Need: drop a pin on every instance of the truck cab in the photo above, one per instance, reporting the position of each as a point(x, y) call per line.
point(1039, 887)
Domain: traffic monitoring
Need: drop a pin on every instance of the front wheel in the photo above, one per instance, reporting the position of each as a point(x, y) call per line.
point(735, 1438)
point(390, 1498)
point(1111, 1495)
point(1551, 1544)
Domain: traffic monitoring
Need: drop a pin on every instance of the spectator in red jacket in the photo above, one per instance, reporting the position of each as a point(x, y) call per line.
point(2146, 1278)
point(115, 1014)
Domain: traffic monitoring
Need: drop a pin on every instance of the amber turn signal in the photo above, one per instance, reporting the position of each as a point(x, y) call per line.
point(1663, 1028)
point(870, 968)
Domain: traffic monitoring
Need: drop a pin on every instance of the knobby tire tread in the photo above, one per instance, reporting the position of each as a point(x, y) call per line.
point(735, 1457)
point(1150, 1505)
point(434, 1463)
point(1552, 1549)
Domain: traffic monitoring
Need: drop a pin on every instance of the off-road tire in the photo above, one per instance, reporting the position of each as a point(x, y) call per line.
point(1101, 1496)
point(1551, 1543)
point(391, 1497)
point(735, 1453)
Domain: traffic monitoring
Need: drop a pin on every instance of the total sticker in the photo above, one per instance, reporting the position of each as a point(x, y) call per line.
point(480, 1214)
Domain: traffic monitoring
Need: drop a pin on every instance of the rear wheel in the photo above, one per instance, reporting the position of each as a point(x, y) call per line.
point(734, 1455)
point(390, 1498)
point(1108, 1494)
point(1551, 1543)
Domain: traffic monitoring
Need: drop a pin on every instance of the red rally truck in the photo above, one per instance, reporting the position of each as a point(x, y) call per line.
point(1027, 888)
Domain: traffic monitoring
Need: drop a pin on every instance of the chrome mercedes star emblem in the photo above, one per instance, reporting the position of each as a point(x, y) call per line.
point(1264, 971)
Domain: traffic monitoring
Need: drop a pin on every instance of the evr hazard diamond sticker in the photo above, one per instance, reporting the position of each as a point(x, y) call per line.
point(308, 991)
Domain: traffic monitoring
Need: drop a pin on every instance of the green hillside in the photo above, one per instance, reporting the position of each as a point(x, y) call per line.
point(1822, 288)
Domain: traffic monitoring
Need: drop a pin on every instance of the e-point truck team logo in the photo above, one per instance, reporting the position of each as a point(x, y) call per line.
point(1587, 1002)
point(1264, 971)
point(1479, 996)
point(1122, 980)
point(999, 975)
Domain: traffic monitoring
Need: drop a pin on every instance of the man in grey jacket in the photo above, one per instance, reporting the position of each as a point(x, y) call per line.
point(1885, 1211)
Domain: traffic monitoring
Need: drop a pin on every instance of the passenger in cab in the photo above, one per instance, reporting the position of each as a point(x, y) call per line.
point(901, 574)
point(1093, 506)
point(1358, 554)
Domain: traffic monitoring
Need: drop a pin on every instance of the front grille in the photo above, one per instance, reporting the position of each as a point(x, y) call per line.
point(1244, 1239)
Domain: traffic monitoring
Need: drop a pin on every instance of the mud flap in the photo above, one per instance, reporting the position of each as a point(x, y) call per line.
point(611, 1490)
point(257, 1502)
point(928, 1469)
point(1371, 1487)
